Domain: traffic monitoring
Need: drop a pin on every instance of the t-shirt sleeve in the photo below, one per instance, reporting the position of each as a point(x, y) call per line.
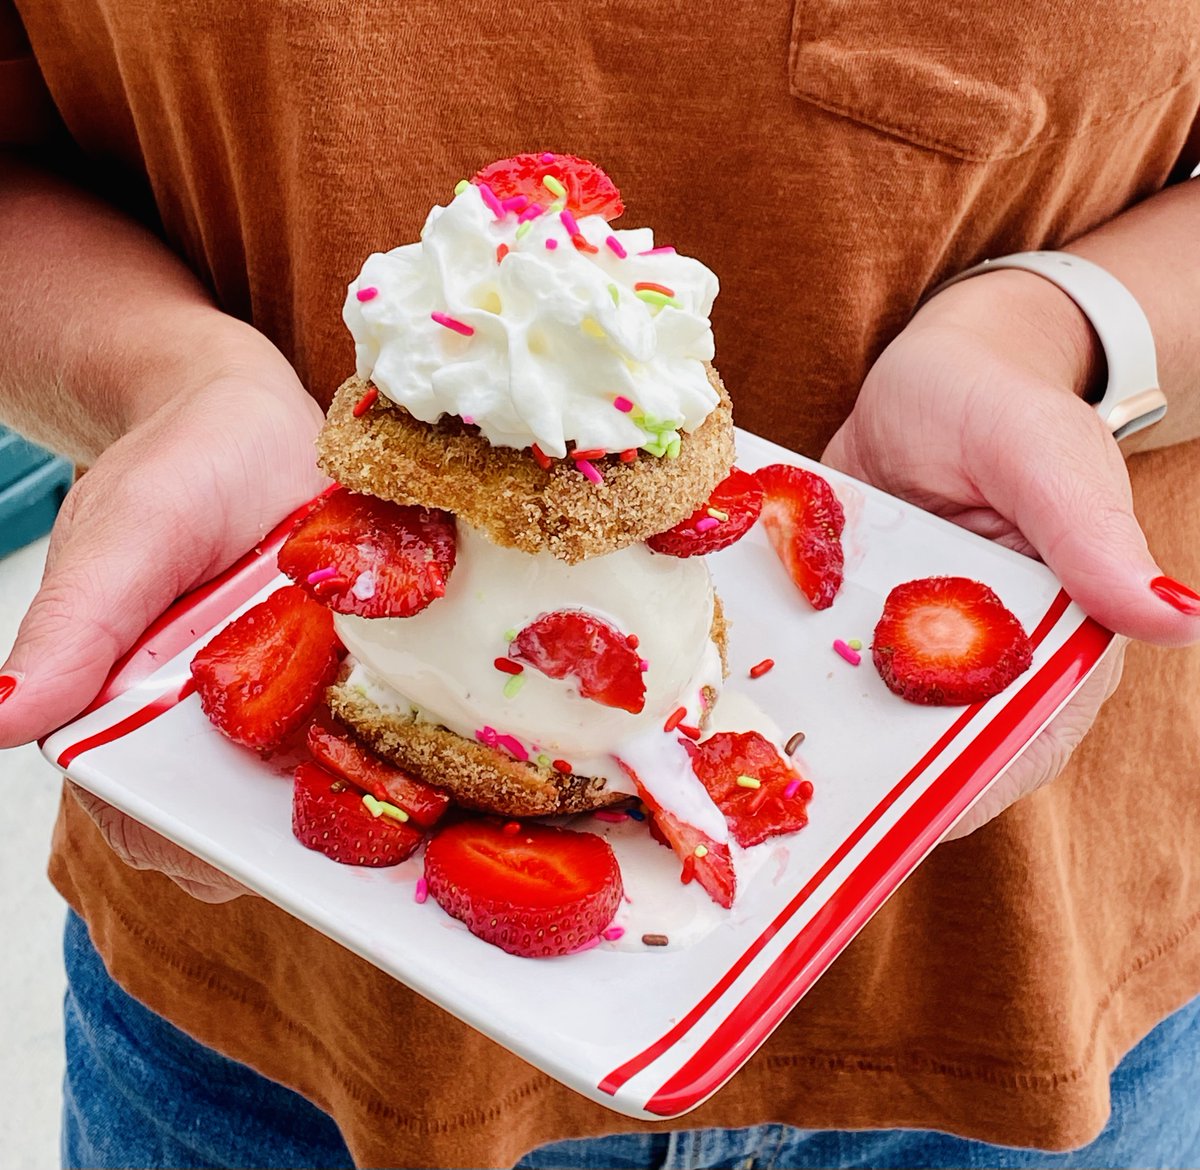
point(27, 114)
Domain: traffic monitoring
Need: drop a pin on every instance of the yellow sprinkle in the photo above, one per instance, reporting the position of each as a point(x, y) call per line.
point(656, 298)
point(615, 293)
point(524, 229)
point(554, 186)
point(592, 328)
point(749, 782)
point(717, 514)
point(375, 807)
point(461, 186)
point(854, 644)
point(390, 810)
point(701, 851)
point(510, 634)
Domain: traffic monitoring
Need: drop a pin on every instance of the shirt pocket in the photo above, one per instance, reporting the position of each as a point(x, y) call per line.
point(982, 81)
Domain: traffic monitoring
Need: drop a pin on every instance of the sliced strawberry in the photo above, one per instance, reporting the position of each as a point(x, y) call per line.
point(776, 805)
point(804, 520)
point(339, 751)
point(736, 502)
point(572, 642)
point(329, 815)
point(712, 866)
point(589, 190)
point(948, 641)
point(362, 555)
point(262, 674)
point(538, 891)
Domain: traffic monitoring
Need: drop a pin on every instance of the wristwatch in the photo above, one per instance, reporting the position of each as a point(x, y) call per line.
point(1132, 399)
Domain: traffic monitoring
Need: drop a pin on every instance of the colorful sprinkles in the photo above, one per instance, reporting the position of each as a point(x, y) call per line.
point(851, 655)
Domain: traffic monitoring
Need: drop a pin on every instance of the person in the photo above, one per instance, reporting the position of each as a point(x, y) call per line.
point(190, 190)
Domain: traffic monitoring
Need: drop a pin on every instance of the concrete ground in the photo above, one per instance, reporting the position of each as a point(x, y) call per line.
point(31, 919)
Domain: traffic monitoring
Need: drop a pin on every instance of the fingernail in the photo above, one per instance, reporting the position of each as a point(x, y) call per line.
point(1180, 596)
point(8, 684)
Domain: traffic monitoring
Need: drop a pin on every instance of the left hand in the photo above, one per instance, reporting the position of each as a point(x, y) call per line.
point(973, 413)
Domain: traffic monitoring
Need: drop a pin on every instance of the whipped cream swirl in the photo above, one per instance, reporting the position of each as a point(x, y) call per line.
point(552, 343)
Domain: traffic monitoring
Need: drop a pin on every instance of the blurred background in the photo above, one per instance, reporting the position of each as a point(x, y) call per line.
point(32, 485)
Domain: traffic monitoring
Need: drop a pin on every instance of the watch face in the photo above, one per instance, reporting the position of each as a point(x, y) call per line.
point(1134, 413)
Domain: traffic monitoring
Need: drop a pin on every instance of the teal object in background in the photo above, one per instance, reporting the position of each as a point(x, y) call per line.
point(32, 485)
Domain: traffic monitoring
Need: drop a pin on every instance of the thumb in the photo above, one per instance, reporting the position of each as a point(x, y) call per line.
point(1065, 487)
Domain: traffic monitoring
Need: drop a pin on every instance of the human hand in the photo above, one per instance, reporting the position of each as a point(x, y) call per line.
point(973, 413)
point(175, 500)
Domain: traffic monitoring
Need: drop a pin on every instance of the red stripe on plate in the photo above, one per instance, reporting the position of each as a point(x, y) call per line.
point(139, 718)
point(820, 941)
point(615, 1079)
point(197, 612)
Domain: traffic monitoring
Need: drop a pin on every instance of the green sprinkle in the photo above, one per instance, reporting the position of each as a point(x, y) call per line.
point(513, 686)
point(656, 298)
point(615, 293)
point(554, 186)
point(510, 635)
point(556, 207)
point(854, 644)
point(461, 186)
point(655, 447)
point(524, 229)
point(374, 807)
point(749, 782)
point(701, 851)
point(390, 810)
point(543, 760)
point(673, 447)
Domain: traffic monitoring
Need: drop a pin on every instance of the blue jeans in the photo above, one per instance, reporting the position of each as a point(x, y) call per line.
point(140, 1093)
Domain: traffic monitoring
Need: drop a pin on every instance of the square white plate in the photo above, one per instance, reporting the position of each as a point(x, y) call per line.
point(666, 1027)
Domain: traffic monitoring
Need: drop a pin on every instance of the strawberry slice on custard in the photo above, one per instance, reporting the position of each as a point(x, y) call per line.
point(586, 188)
point(358, 554)
point(593, 651)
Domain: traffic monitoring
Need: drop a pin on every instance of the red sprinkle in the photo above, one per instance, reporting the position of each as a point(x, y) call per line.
point(675, 718)
point(805, 790)
point(453, 323)
point(540, 457)
point(761, 668)
point(629, 455)
point(588, 453)
point(508, 666)
point(583, 245)
point(562, 766)
point(512, 828)
point(760, 798)
point(365, 402)
point(632, 640)
point(650, 286)
point(689, 730)
point(501, 252)
point(330, 585)
point(689, 869)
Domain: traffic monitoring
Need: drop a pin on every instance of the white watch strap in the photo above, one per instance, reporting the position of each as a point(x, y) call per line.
point(1132, 400)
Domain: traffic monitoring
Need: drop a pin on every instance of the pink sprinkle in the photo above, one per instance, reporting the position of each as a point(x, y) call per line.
point(643, 665)
point(612, 933)
point(568, 221)
point(617, 247)
point(531, 212)
point(707, 524)
point(452, 323)
point(851, 656)
point(587, 946)
point(613, 818)
point(551, 244)
point(623, 404)
point(489, 197)
point(665, 250)
point(547, 157)
point(367, 294)
point(321, 575)
point(511, 744)
point(791, 790)
point(516, 203)
point(589, 471)
point(421, 892)
point(486, 735)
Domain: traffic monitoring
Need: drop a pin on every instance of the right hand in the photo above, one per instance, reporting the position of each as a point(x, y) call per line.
point(174, 501)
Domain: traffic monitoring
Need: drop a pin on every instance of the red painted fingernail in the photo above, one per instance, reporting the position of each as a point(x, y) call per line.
point(1180, 596)
point(8, 684)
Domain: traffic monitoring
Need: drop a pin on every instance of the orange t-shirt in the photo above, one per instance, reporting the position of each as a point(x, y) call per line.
point(831, 162)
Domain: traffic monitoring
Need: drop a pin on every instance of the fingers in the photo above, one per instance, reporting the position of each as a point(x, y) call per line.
point(1049, 465)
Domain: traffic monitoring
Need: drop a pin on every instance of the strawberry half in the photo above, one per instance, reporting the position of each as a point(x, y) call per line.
point(572, 642)
point(948, 641)
point(753, 813)
point(804, 521)
point(736, 501)
point(712, 866)
point(329, 815)
point(338, 750)
point(589, 190)
point(539, 891)
point(362, 555)
point(262, 674)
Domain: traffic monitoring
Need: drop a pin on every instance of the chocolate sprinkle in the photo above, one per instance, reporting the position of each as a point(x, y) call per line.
point(655, 940)
point(793, 743)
